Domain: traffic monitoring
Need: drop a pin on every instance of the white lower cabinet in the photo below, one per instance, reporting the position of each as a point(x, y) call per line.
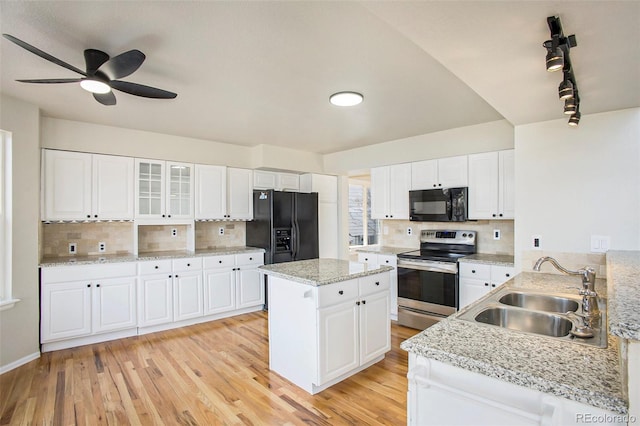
point(86, 304)
point(321, 335)
point(478, 279)
point(442, 394)
point(376, 260)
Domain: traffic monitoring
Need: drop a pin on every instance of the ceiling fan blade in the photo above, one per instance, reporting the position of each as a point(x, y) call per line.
point(105, 98)
point(43, 55)
point(123, 65)
point(94, 59)
point(51, 80)
point(141, 90)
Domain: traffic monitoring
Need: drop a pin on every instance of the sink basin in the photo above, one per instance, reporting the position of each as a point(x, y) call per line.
point(527, 321)
point(540, 302)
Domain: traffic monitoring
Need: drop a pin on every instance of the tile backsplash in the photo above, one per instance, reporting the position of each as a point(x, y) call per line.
point(154, 238)
point(396, 233)
point(208, 234)
point(56, 237)
point(570, 261)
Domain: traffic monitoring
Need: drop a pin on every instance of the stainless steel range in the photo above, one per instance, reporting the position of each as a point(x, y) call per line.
point(428, 278)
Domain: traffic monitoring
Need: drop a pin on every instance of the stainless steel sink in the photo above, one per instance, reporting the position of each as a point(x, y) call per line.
point(540, 302)
point(527, 321)
point(536, 312)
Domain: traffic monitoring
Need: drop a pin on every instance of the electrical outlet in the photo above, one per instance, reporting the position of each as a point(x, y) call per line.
point(102, 247)
point(73, 248)
point(221, 230)
point(174, 232)
point(409, 231)
point(496, 234)
point(536, 242)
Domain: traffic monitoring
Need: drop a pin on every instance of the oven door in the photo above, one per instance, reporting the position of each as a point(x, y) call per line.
point(428, 286)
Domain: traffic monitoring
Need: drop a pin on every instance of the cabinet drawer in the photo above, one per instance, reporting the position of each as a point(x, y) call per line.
point(154, 267)
point(256, 258)
point(225, 261)
point(56, 274)
point(332, 294)
point(187, 264)
point(385, 260)
point(368, 258)
point(478, 271)
point(373, 283)
point(501, 274)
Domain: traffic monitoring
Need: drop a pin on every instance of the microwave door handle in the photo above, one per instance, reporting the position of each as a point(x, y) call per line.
point(450, 206)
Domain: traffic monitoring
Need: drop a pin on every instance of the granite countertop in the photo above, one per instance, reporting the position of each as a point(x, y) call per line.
point(623, 280)
point(128, 257)
point(536, 362)
point(317, 272)
point(489, 259)
point(392, 251)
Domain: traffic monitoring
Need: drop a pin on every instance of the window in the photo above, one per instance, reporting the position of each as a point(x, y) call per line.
point(6, 297)
point(362, 229)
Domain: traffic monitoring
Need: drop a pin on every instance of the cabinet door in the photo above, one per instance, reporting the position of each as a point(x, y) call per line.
point(179, 190)
point(240, 194)
point(452, 172)
point(66, 310)
point(187, 295)
point(483, 185)
point(250, 287)
point(113, 187)
point(219, 291)
point(399, 186)
point(155, 300)
point(501, 274)
point(380, 192)
point(150, 189)
point(210, 192)
point(375, 326)
point(67, 185)
point(506, 185)
point(114, 304)
point(387, 260)
point(264, 180)
point(368, 258)
point(337, 341)
point(424, 174)
point(472, 290)
point(287, 182)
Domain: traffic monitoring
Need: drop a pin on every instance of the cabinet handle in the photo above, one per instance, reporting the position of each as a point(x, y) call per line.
point(340, 292)
point(364, 302)
point(358, 303)
point(377, 282)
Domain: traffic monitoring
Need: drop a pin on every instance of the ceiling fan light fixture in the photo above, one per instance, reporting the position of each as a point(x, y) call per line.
point(346, 99)
point(95, 86)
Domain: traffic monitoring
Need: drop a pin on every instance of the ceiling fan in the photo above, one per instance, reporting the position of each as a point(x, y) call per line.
point(102, 73)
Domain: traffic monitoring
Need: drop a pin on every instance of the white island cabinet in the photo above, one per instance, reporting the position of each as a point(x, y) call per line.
point(328, 319)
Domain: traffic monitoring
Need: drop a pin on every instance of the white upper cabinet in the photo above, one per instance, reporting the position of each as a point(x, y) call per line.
point(263, 179)
point(491, 185)
point(448, 172)
point(163, 189)
point(223, 193)
point(211, 192)
point(81, 186)
point(390, 187)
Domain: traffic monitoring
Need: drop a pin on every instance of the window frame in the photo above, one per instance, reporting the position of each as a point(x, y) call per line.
point(6, 289)
point(366, 201)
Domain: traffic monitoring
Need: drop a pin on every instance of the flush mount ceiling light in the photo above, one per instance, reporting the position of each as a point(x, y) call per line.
point(346, 98)
point(558, 59)
point(95, 86)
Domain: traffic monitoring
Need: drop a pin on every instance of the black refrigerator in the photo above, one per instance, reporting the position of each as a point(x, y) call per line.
point(285, 225)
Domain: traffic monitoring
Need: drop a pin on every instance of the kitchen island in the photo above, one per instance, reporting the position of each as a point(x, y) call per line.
point(328, 319)
point(467, 372)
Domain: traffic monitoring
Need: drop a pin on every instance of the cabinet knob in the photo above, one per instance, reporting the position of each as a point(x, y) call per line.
point(358, 303)
point(366, 259)
point(340, 292)
point(176, 276)
point(97, 285)
point(95, 215)
point(386, 215)
point(390, 215)
point(493, 285)
point(156, 267)
point(473, 271)
point(219, 261)
point(251, 258)
point(508, 275)
point(364, 302)
point(486, 284)
point(169, 276)
point(88, 216)
point(439, 184)
point(386, 261)
point(88, 285)
point(494, 215)
point(434, 185)
point(500, 215)
point(377, 282)
point(168, 215)
point(188, 264)
point(163, 216)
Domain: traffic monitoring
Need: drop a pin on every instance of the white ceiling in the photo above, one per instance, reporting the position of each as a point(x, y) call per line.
point(254, 73)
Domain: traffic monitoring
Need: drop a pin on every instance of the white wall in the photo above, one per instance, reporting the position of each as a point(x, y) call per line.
point(19, 326)
point(575, 182)
point(492, 136)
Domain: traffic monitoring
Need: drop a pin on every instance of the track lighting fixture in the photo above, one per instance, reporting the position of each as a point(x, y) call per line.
point(558, 59)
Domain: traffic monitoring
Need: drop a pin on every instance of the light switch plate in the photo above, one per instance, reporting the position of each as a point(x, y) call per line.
point(600, 243)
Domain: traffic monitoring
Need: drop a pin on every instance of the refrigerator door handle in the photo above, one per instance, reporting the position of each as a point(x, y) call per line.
point(294, 229)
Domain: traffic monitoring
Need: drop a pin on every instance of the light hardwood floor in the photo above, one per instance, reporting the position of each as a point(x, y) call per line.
point(215, 373)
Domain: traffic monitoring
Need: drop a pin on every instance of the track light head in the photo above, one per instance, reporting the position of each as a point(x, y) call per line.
point(554, 59)
point(570, 106)
point(574, 119)
point(565, 90)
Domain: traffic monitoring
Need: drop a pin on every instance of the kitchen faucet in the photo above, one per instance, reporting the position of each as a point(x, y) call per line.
point(590, 311)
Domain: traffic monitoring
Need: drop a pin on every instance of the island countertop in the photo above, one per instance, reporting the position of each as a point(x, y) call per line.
point(532, 361)
point(317, 272)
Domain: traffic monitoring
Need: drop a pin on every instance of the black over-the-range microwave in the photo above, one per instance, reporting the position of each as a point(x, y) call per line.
point(438, 205)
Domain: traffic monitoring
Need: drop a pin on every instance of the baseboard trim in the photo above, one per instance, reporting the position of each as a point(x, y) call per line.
point(19, 362)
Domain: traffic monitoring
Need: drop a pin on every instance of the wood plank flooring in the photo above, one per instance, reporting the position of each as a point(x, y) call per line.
point(216, 373)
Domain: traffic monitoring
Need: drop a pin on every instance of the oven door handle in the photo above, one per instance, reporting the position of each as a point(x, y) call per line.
point(429, 268)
